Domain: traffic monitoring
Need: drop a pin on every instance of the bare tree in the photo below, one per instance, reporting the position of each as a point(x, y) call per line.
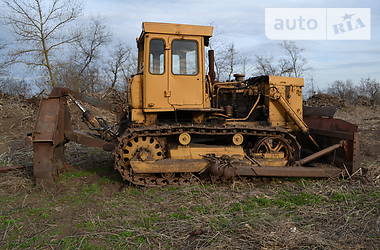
point(116, 63)
point(130, 66)
point(40, 29)
point(3, 63)
point(221, 66)
point(245, 64)
point(310, 86)
point(81, 70)
point(120, 66)
point(294, 59)
point(67, 73)
point(343, 89)
point(90, 42)
point(265, 66)
point(292, 63)
point(227, 59)
point(15, 87)
point(231, 60)
point(221, 48)
point(370, 88)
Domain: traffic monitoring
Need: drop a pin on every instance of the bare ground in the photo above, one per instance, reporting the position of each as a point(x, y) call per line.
point(92, 208)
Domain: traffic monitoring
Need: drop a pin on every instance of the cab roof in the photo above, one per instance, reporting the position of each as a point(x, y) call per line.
point(177, 29)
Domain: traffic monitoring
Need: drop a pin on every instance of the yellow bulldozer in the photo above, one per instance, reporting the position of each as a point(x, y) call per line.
point(182, 126)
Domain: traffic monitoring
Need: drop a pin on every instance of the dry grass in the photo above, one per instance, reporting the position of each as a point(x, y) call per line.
point(89, 212)
point(17, 180)
point(93, 209)
point(365, 117)
point(17, 117)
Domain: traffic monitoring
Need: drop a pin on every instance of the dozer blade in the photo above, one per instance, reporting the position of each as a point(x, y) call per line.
point(48, 140)
point(52, 130)
point(329, 132)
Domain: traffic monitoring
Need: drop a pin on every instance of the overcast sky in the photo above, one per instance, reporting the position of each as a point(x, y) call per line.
point(242, 22)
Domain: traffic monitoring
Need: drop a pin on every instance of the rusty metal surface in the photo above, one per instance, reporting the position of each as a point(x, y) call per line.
point(288, 171)
point(48, 161)
point(52, 130)
point(59, 92)
point(330, 124)
point(330, 131)
point(48, 119)
point(211, 65)
point(228, 167)
point(320, 153)
point(48, 140)
point(319, 111)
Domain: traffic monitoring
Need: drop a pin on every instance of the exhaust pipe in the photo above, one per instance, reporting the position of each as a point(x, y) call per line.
point(211, 65)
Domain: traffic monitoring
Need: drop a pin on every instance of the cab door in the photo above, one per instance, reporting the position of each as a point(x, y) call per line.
point(186, 72)
point(155, 86)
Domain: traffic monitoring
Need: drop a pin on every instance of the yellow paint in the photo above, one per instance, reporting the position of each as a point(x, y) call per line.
point(135, 92)
point(179, 29)
point(290, 89)
point(196, 151)
point(162, 90)
point(137, 116)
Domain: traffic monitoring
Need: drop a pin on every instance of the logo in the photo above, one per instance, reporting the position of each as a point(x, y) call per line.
point(348, 24)
point(318, 23)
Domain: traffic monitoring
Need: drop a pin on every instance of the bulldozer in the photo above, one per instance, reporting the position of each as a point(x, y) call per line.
point(181, 125)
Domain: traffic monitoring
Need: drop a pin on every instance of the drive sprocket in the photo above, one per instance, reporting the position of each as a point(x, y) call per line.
point(142, 148)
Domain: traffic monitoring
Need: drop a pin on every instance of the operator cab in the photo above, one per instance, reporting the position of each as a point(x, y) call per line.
point(171, 61)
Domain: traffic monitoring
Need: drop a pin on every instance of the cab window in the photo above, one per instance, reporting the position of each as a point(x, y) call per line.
point(185, 57)
point(156, 56)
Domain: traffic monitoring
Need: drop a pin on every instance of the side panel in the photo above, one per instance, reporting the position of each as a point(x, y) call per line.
point(291, 89)
point(135, 92)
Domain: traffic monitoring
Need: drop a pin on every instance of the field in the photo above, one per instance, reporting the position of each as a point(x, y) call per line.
point(91, 208)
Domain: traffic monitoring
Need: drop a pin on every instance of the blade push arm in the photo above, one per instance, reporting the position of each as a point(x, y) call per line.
point(276, 95)
point(94, 123)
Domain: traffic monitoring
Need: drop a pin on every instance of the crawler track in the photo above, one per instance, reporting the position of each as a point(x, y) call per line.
point(123, 166)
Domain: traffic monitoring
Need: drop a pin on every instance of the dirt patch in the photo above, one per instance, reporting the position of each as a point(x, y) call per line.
point(324, 100)
point(17, 117)
point(363, 101)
